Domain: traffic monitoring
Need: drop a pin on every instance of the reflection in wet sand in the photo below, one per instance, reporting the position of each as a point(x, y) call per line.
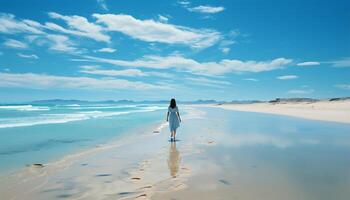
point(173, 160)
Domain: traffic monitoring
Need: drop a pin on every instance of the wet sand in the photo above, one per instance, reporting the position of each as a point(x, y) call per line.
point(220, 154)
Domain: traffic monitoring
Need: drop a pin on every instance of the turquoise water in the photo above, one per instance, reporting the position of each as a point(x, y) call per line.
point(41, 133)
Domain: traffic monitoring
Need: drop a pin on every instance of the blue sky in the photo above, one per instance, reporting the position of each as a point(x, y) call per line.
point(224, 50)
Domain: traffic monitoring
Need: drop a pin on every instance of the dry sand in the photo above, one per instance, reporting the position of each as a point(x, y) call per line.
point(334, 111)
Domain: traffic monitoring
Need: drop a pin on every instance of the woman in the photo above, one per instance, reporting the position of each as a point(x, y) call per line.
point(173, 117)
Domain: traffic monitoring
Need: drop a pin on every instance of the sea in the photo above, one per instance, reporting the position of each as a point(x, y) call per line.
point(40, 133)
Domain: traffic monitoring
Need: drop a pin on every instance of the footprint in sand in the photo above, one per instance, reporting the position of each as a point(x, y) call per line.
point(103, 175)
point(125, 193)
point(36, 165)
point(64, 196)
point(146, 187)
point(144, 164)
point(185, 168)
point(224, 182)
point(141, 196)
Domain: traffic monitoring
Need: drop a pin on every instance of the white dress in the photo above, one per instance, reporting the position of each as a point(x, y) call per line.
point(174, 122)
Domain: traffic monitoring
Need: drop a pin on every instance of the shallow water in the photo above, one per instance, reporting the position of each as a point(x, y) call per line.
point(246, 155)
point(41, 133)
point(219, 154)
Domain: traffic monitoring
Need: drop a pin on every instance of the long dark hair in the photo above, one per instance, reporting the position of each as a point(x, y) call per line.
point(172, 103)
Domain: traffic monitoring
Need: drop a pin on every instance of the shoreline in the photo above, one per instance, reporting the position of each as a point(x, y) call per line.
point(337, 111)
point(216, 156)
point(119, 140)
point(122, 138)
point(38, 172)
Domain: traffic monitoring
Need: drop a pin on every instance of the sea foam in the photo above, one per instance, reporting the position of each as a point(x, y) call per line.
point(25, 108)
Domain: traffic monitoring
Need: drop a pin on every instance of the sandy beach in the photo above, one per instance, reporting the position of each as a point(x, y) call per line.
point(334, 111)
point(174, 100)
point(222, 160)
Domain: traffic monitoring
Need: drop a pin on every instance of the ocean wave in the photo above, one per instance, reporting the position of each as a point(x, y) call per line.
point(152, 108)
point(62, 118)
point(40, 120)
point(72, 105)
point(25, 108)
point(101, 107)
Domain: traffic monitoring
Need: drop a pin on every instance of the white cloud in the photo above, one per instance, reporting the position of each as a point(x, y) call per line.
point(61, 43)
point(31, 38)
point(297, 91)
point(110, 72)
point(234, 33)
point(225, 43)
point(225, 50)
point(10, 25)
point(184, 3)
point(207, 9)
point(223, 46)
point(103, 4)
point(253, 139)
point(106, 50)
point(56, 42)
point(15, 44)
point(207, 82)
point(160, 74)
point(251, 79)
point(153, 31)
point(311, 63)
point(343, 86)
point(31, 56)
point(189, 65)
point(163, 18)
point(287, 77)
point(42, 81)
point(88, 69)
point(145, 30)
point(80, 26)
point(341, 63)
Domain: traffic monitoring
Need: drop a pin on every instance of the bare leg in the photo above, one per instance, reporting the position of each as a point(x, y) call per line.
point(174, 133)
